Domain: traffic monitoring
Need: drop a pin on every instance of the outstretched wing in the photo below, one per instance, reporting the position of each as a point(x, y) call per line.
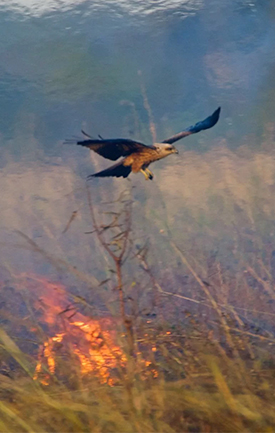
point(117, 170)
point(199, 126)
point(112, 148)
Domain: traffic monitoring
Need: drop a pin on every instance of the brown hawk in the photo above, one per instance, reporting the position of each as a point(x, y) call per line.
point(138, 156)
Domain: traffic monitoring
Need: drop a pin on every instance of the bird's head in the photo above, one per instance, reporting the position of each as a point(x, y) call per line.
point(165, 149)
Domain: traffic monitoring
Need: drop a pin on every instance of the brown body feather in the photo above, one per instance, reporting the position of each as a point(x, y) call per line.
point(141, 160)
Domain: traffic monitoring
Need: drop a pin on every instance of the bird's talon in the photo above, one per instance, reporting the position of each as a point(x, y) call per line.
point(146, 174)
point(149, 174)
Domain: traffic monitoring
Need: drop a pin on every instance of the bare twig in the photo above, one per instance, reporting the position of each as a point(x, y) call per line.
point(120, 241)
point(148, 109)
point(73, 216)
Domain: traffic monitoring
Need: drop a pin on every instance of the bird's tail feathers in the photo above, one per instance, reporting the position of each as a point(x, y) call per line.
point(116, 170)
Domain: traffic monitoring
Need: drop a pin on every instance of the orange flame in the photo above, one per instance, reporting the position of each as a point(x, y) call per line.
point(91, 342)
point(95, 350)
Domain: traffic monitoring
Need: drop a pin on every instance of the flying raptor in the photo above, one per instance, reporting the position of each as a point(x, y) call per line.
point(138, 156)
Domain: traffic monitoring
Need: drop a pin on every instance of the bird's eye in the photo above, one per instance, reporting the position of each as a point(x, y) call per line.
point(169, 148)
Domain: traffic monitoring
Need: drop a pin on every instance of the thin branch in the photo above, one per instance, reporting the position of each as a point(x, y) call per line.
point(97, 230)
point(148, 109)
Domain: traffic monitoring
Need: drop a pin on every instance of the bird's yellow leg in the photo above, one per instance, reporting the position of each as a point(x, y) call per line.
point(149, 173)
point(145, 174)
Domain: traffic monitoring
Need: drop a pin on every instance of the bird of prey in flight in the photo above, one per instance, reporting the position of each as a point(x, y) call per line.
point(138, 156)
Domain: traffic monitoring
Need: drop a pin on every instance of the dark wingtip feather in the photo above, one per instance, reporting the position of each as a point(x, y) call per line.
point(207, 123)
point(211, 121)
point(215, 116)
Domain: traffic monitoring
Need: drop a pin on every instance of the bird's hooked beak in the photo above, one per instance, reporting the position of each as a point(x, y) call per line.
point(176, 151)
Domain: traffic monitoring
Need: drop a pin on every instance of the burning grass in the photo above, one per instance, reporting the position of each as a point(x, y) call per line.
point(201, 384)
